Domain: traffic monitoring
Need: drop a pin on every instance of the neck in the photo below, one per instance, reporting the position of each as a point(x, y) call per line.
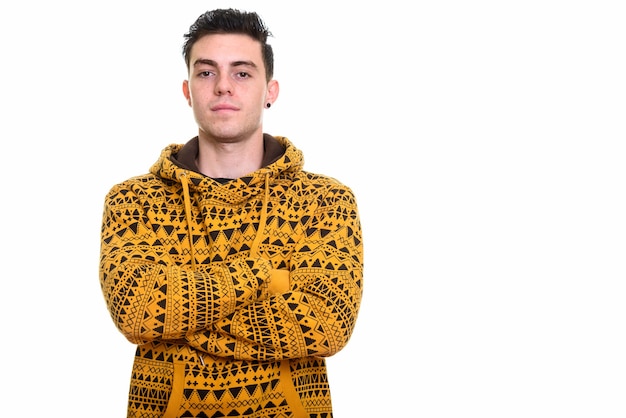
point(229, 160)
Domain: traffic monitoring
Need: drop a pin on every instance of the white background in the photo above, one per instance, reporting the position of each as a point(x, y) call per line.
point(484, 141)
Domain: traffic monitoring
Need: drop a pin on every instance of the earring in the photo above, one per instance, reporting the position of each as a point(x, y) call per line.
point(268, 105)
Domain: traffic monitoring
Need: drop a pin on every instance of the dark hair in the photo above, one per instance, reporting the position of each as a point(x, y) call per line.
point(231, 21)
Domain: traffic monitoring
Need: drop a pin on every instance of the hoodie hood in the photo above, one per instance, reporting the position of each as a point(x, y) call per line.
point(177, 165)
point(281, 157)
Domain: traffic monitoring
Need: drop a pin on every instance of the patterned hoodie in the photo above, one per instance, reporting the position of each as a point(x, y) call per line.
point(234, 291)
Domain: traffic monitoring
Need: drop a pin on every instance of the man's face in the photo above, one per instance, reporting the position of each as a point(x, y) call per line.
point(227, 89)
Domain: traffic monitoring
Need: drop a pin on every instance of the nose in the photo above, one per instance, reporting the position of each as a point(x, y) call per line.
point(223, 85)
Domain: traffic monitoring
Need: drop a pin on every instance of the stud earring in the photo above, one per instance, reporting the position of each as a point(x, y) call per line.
point(268, 105)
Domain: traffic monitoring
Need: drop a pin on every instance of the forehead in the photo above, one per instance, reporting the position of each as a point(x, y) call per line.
point(229, 47)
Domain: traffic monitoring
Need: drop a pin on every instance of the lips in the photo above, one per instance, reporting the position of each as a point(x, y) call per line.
point(224, 106)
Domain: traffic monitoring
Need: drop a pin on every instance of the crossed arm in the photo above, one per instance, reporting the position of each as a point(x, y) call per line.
point(241, 308)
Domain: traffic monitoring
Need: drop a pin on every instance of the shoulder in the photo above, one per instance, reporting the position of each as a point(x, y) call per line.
point(136, 188)
point(323, 186)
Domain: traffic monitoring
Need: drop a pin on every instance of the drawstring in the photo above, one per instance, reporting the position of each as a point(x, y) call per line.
point(254, 251)
point(184, 181)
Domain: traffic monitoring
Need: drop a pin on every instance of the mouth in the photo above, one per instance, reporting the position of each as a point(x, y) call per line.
point(223, 106)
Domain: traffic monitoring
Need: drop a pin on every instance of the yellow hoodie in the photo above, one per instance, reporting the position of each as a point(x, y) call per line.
point(235, 290)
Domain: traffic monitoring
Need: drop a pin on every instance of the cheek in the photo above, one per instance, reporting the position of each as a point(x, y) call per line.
point(195, 99)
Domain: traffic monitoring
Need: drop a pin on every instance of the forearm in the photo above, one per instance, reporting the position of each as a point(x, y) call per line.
point(149, 301)
point(315, 317)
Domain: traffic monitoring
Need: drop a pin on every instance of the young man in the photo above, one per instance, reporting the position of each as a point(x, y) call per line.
point(233, 270)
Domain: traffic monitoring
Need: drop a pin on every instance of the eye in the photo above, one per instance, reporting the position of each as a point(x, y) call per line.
point(205, 73)
point(242, 74)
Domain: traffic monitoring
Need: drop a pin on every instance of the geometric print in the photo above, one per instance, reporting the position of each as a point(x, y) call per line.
point(234, 292)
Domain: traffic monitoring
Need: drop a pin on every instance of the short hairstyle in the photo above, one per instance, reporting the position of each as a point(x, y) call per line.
point(222, 21)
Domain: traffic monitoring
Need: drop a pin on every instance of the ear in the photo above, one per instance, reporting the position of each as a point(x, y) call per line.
point(186, 92)
point(272, 91)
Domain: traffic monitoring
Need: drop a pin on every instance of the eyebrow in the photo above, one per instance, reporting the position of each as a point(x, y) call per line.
point(202, 61)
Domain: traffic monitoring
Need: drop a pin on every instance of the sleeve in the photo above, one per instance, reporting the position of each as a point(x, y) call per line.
point(149, 296)
point(317, 315)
